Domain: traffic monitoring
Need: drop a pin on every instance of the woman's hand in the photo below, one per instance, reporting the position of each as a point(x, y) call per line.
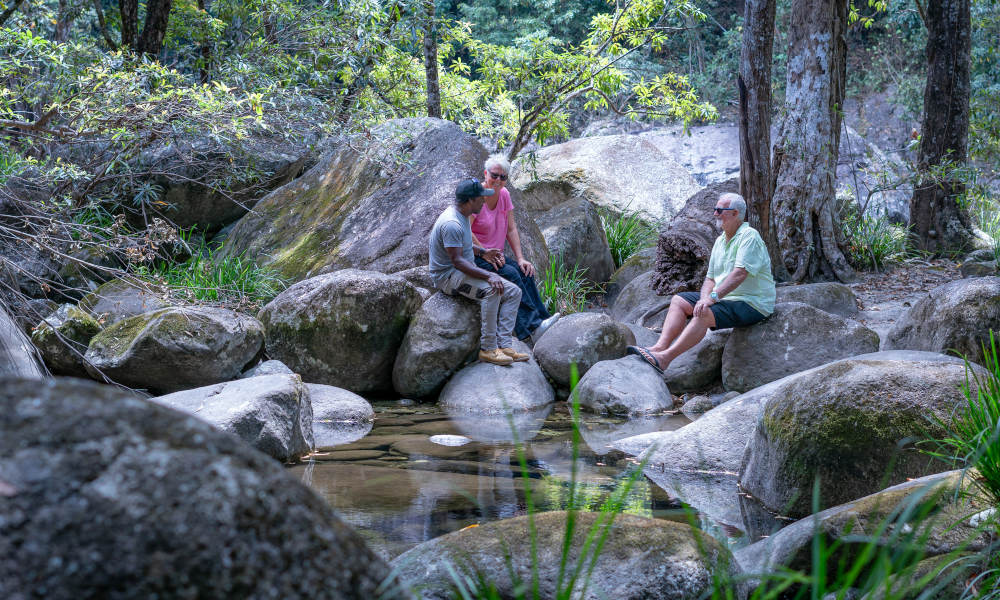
point(494, 257)
point(526, 267)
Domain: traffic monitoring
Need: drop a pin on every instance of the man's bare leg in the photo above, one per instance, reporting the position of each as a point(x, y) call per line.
point(678, 313)
point(693, 333)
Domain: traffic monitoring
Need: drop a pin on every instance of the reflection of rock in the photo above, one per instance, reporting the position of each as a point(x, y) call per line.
point(487, 389)
point(498, 428)
point(600, 434)
point(338, 416)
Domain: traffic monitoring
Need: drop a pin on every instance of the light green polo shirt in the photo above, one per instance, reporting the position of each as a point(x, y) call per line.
point(746, 250)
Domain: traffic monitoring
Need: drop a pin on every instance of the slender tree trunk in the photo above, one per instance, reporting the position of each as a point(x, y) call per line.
point(129, 10)
point(64, 20)
point(804, 164)
point(756, 183)
point(155, 28)
point(103, 24)
point(431, 61)
point(206, 49)
point(938, 221)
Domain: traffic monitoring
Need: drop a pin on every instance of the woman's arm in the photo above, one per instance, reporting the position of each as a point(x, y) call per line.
point(515, 244)
point(490, 255)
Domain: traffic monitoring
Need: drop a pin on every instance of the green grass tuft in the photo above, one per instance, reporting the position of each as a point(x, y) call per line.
point(627, 233)
point(565, 289)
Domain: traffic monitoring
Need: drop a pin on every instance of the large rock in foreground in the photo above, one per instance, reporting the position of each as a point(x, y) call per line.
point(109, 496)
point(852, 425)
point(175, 349)
point(651, 559)
point(626, 386)
point(583, 339)
point(272, 413)
point(362, 206)
point(442, 338)
point(342, 329)
point(956, 316)
point(794, 338)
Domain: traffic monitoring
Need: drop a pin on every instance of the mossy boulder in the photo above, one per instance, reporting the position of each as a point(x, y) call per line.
point(851, 424)
point(106, 495)
point(175, 349)
point(342, 329)
point(955, 317)
point(794, 338)
point(583, 339)
point(369, 204)
point(651, 559)
point(120, 299)
point(62, 339)
point(442, 338)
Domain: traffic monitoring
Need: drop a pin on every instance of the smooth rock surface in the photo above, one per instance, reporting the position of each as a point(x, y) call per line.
point(175, 349)
point(700, 367)
point(794, 338)
point(955, 317)
point(487, 389)
point(443, 337)
point(573, 232)
point(635, 265)
point(625, 386)
point(110, 496)
point(268, 367)
point(18, 357)
point(272, 413)
point(341, 329)
point(638, 303)
point(642, 558)
point(583, 339)
point(338, 416)
point(828, 296)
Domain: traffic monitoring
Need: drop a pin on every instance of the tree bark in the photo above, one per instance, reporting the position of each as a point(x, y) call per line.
point(431, 61)
point(205, 49)
point(939, 223)
point(155, 28)
point(804, 209)
point(756, 183)
point(103, 25)
point(129, 10)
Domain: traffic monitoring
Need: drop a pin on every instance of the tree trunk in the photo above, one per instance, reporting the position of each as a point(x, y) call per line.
point(155, 28)
point(756, 183)
point(804, 209)
point(103, 25)
point(64, 21)
point(938, 221)
point(205, 49)
point(431, 61)
point(129, 10)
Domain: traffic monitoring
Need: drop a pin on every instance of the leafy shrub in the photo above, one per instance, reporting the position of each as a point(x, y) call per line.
point(872, 241)
point(565, 289)
point(627, 233)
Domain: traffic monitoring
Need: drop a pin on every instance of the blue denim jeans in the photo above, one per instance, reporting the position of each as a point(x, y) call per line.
point(531, 312)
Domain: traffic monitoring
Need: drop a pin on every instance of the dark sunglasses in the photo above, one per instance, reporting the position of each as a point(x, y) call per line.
point(718, 210)
point(499, 176)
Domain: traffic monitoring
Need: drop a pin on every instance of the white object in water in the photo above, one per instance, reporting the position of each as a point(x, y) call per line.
point(450, 440)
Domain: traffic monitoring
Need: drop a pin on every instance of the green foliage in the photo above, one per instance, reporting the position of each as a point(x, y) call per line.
point(565, 289)
point(872, 241)
point(504, 22)
point(627, 233)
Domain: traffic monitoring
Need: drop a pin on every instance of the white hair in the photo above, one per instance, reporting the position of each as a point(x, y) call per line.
point(736, 201)
point(498, 160)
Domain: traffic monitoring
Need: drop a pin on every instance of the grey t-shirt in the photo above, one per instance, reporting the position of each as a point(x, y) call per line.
point(451, 230)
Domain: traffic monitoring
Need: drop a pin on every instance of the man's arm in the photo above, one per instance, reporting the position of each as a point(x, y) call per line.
point(731, 282)
point(470, 269)
point(705, 301)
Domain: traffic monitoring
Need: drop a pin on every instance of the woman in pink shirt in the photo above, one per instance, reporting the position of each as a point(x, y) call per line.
point(495, 225)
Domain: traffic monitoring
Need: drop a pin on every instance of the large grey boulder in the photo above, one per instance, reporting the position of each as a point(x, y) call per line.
point(272, 413)
point(175, 349)
point(828, 296)
point(850, 424)
point(441, 339)
point(936, 508)
point(794, 338)
point(342, 329)
point(573, 231)
point(638, 303)
point(610, 171)
point(641, 558)
point(700, 367)
point(17, 356)
point(110, 496)
point(955, 317)
point(268, 367)
point(625, 386)
point(364, 207)
point(583, 339)
point(634, 266)
point(488, 389)
point(62, 339)
point(338, 416)
point(120, 299)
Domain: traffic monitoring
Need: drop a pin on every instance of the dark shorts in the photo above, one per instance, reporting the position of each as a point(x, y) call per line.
point(728, 313)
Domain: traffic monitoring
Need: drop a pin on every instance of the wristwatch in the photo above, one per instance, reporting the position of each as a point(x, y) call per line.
point(714, 296)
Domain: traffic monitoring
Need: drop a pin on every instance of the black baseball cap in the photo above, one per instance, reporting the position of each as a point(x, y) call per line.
point(471, 188)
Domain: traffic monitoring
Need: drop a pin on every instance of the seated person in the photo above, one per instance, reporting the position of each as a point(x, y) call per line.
point(741, 264)
point(451, 254)
point(495, 224)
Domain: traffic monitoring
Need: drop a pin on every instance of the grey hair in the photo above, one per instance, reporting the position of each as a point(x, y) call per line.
point(498, 160)
point(736, 201)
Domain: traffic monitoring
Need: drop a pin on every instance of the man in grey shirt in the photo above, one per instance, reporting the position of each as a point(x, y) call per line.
point(453, 270)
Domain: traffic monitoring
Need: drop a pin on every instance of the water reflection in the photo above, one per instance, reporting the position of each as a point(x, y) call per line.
point(493, 429)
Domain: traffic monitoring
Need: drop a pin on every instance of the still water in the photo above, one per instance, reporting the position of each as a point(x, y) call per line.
point(418, 472)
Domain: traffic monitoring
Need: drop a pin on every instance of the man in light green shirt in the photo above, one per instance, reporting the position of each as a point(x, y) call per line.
point(738, 290)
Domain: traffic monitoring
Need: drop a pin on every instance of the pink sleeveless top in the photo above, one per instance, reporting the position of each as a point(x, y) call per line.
point(490, 226)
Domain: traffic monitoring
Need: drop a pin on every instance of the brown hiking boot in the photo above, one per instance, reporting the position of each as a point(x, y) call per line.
point(495, 357)
point(515, 355)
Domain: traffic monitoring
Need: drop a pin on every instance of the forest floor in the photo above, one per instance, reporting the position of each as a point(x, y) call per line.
point(884, 296)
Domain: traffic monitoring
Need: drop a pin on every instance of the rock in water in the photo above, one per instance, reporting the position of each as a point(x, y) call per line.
point(583, 339)
point(341, 329)
point(625, 386)
point(107, 496)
